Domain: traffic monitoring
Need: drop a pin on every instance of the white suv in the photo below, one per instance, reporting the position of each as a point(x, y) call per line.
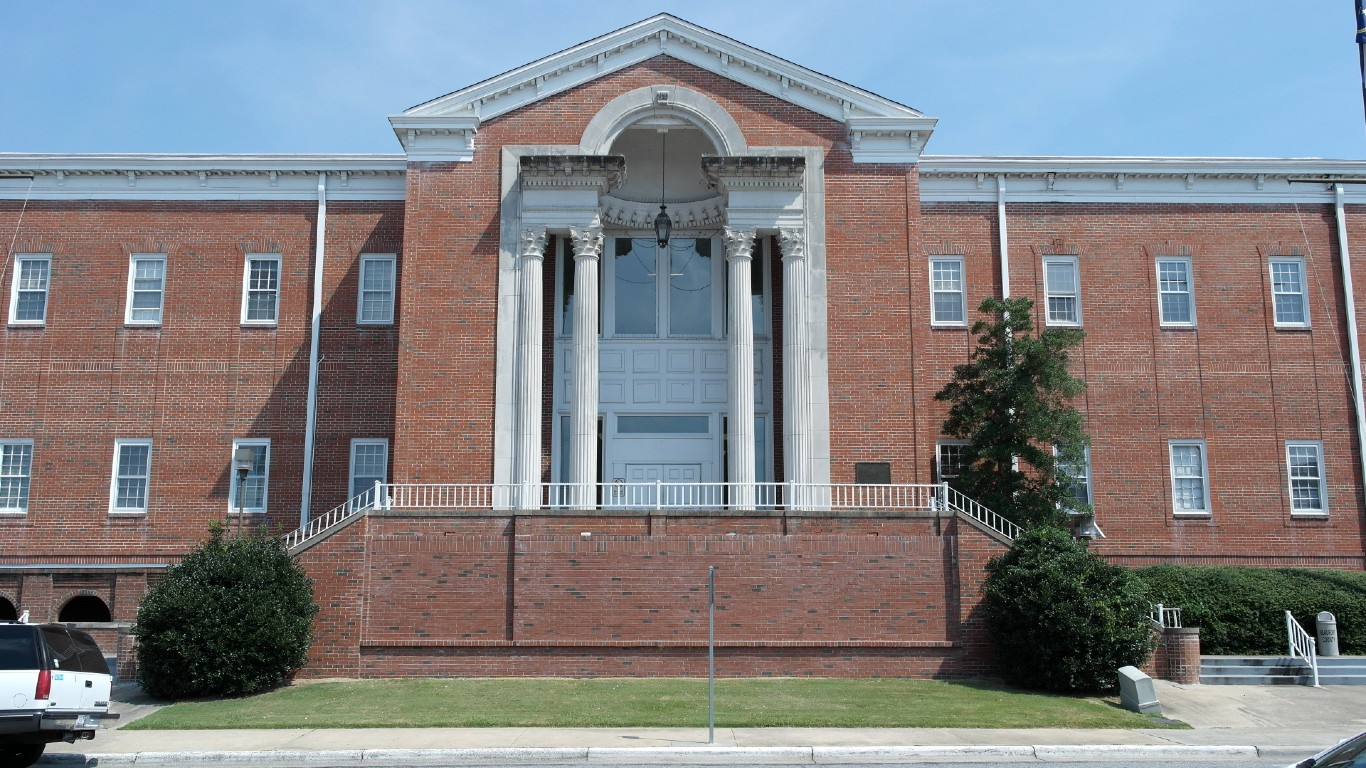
point(54, 686)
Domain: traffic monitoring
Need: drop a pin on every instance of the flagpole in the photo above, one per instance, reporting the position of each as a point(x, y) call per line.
point(1361, 50)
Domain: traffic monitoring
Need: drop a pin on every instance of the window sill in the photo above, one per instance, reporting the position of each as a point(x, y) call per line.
point(374, 323)
point(947, 326)
point(127, 513)
point(1177, 326)
point(13, 513)
point(261, 324)
point(142, 326)
point(1293, 326)
point(1309, 515)
point(16, 324)
point(1191, 515)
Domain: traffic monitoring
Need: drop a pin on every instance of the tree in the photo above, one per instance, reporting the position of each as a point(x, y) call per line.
point(1060, 618)
point(233, 617)
point(1011, 402)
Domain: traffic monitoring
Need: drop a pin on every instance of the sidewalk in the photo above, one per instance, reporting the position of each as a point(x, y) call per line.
point(1275, 723)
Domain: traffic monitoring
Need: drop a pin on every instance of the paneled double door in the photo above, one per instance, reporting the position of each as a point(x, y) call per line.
point(664, 472)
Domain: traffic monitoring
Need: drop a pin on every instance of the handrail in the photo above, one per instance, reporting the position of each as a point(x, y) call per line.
point(1165, 616)
point(657, 496)
point(1302, 645)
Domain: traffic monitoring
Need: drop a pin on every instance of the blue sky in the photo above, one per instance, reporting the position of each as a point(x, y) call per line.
point(1263, 78)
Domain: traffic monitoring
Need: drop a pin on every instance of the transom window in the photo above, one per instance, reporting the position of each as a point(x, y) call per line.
point(663, 293)
point(1062, 290)
point(1174, 299)
point(28, 294)
point(261, 290)
point(146, 287)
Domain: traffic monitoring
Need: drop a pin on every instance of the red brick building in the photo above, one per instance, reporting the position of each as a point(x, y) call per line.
point(569, 422)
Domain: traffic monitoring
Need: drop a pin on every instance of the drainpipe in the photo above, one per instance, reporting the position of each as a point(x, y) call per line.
point(310, 425)
point(1355, 347)
point(1005, 240)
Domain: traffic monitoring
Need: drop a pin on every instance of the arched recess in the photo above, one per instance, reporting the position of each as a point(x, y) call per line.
point(8, 611)
point(85, 609)
point(663, 101)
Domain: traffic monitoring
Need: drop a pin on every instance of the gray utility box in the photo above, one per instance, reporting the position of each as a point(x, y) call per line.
point(1136, 692)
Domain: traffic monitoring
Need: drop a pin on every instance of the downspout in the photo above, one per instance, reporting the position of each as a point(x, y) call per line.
point(1004, 238)
point(1355, 347)
point(314, 362)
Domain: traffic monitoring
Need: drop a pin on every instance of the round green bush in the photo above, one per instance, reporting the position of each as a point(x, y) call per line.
point(1062, 619)
point(232, 618)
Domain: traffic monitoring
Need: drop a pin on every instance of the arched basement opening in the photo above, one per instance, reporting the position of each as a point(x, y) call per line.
point(84, 608)
point(7, 610)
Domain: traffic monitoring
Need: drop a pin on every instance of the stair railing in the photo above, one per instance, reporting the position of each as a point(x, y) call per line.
point(1302, 645)
point(1165, 616)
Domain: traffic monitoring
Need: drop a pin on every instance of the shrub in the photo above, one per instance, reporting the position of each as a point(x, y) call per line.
point(1062, 619)
point(232, 618)
point(1242, 610)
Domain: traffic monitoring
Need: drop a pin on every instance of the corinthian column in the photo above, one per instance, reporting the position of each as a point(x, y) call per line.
point(739, 255)
point(796, 384)
point(583, 422)
point(529, 332)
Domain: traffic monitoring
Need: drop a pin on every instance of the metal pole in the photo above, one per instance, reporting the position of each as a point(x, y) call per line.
point(711, 654)
point(241, 500)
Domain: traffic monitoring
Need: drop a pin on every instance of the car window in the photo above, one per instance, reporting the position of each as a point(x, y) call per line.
point(19, 647)
point(1351, 754)
point(60, 648)
point(88, 654)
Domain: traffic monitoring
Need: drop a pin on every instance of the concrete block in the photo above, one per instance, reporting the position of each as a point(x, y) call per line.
point(1136, 692)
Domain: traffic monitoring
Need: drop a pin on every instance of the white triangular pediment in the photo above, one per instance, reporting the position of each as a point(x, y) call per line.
point(881, 130)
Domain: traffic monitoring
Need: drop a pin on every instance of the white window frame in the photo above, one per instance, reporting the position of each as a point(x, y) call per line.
point(939, 447)
point(114, 508)
point(1319, 478)
point(258, 444)
point(20, 259)
point(247, 289)
point(1050, 291)
point(1189, 293)
point(133, 290)
point(1303, 292)
point(1178, 511)
point(367, 259)
point(961, 292)
point(351, 473)
point(1085, 473)
point(27, 478)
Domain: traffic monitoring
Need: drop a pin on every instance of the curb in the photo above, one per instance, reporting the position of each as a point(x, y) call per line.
point(685, 755)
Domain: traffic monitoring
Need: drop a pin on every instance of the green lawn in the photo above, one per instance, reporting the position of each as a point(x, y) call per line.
point(451, 703)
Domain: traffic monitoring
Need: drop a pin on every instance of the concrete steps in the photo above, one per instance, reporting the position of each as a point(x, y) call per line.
point(1281, 670)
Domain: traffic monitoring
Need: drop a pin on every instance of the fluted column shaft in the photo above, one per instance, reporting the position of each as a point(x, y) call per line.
point(583, 447)
point(796, 384)
point(739, 258)
point(529, 378)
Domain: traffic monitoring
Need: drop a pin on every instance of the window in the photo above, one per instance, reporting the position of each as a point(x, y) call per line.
point(376, 295)
point(947, 300)
point(1287, 293)
point(261, 290)
point(257, 484)
point(1190, 473)
point(1062, 290)
point(146, 285)
point(1304, 468)
point(1080, 487)
point(950, 460)
point(1174, 299)
point(663, 293)
point(369, 465)
point(28, 292)
point(132, 475)
point(16, 467)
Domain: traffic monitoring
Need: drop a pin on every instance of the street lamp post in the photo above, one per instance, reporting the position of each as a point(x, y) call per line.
point(243, 459)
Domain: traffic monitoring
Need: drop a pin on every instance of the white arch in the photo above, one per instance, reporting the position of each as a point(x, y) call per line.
point(623, 111)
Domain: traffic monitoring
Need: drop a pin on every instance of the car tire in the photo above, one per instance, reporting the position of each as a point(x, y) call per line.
point(20, 755)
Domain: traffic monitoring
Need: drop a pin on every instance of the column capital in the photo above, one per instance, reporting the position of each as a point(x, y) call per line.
point(587, 240)
point(739, 243)
point(533, 243)
point(793, 243)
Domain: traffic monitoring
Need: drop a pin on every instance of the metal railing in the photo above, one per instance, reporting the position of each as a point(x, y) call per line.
point(656, 496)
point(1166, 617)
point(1302, 645)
